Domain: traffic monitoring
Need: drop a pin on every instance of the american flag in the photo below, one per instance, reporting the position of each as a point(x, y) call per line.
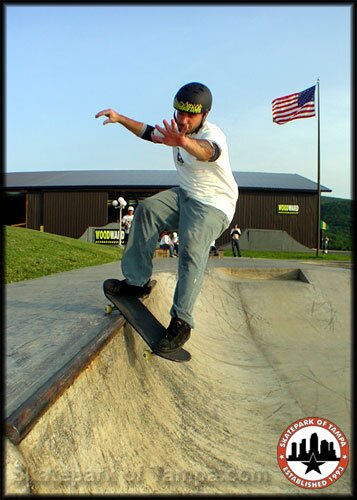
point(294, 106)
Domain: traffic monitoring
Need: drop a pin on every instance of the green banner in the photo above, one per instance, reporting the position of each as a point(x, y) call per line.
point(107, 236)
point(288, 209)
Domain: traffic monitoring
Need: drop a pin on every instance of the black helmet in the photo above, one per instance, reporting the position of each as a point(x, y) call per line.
point(193, 98)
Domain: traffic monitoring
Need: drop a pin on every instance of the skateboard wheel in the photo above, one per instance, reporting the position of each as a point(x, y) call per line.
point(147, 355)
point(108, 309)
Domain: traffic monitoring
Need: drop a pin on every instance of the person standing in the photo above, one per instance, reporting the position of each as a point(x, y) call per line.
point(325, 242)
point(175, 241)
point(235, 235)
point(201, 207)
point(126, 223)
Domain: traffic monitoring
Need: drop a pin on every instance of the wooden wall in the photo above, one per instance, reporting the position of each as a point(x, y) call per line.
point(34, 213)
point(69, 213)
point(259, 210)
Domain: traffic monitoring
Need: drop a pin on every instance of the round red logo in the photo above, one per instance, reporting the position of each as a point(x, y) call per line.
point(313, 453)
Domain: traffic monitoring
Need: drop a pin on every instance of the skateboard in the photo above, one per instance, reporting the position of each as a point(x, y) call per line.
point(145, 323)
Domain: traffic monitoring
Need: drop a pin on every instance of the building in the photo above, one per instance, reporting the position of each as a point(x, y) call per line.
point(68, 202)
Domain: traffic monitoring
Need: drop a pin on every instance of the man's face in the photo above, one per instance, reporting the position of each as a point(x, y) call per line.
point(192, 120)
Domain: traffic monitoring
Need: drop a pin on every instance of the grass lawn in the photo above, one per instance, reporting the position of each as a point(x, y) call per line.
point(290, 255)
point(31, 254)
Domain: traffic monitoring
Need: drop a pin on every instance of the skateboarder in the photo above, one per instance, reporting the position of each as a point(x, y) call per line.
point(201, 208)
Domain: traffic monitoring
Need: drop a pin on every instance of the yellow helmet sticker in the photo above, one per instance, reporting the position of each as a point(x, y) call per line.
point(187, 107)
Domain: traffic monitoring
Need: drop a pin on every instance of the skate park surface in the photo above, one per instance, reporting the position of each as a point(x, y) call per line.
point(271, 345)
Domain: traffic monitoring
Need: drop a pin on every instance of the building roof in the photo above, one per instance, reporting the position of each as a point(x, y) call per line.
point(112, 179)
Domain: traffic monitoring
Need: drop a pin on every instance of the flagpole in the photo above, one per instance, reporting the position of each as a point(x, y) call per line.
point(318, 169)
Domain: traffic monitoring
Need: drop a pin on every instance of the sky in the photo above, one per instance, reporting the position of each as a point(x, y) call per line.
point(66, 62)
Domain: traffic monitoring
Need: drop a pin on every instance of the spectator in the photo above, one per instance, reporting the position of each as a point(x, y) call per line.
point(126, 223)
point(175, 241)
point(166, 244)
point(235, 235)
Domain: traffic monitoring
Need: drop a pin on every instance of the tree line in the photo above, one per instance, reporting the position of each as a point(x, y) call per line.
point(337, 213)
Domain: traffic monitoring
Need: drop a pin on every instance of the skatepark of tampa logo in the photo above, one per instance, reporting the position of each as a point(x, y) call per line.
point(313, 453)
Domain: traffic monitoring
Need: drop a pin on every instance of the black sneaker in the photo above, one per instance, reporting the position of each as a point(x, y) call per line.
point(177, 334)
point(121, 287)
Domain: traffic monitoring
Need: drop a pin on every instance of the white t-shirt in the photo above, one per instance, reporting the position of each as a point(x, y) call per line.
point(126, 221)
point(166, 240)
point(211, 183)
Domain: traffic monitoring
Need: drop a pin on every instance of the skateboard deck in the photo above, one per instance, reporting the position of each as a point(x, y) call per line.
point(145, 323)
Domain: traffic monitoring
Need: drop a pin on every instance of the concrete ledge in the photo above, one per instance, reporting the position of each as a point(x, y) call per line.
point(19, 423)
point(22, 420)
point(160, 252)
point(243, 274)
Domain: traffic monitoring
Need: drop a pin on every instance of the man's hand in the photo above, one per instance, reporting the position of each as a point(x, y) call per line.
point(171, 134)
point(113, 116)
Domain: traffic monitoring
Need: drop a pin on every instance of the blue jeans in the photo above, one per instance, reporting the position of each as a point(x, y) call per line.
point(170, 248)
point(235, 245)
point(198, 225)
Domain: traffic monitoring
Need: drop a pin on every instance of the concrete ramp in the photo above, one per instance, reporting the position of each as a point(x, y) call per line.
point(268, 349)
point(271, 240)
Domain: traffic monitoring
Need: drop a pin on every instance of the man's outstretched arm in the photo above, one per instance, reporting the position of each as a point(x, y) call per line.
point(203, 150)
point(113, 117)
